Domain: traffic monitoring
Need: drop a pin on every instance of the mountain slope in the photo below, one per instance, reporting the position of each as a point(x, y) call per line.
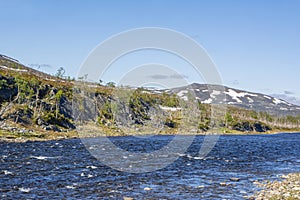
point(239, 98)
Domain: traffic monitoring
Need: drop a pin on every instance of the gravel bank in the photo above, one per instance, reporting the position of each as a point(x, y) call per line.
point(288, 188)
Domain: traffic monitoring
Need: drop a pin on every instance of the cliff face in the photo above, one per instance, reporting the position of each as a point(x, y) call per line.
point(32, 99)
point(44, 105)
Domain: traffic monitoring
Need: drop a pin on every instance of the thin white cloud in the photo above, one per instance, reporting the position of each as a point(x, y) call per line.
point(173, 76)
point(178, 76)
point(159, 76)
point(288, 92)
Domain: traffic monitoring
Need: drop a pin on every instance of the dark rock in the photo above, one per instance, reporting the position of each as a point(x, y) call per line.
point(243, 126)
point(52, 128)
point(66, 124)
point(7, 92)
point(65, 107)
point(171, 124)
point(259, 127)
point(248, 127)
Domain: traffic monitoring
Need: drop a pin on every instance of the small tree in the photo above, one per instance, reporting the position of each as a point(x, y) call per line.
point(35, 83)
point(23, 87)
point(228, 120)
point(58, 97)
point(60, 72)
point(111, 84)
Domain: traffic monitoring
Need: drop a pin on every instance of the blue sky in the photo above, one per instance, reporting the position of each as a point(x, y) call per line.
point(255, 44)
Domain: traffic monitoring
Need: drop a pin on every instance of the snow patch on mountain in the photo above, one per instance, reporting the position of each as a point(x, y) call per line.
point(13, 69)
point(185, 98)
point(208, 101)
point(215, 93)
point(250, 100)
point(169, 108)
point(235, 95)
point(182, 93)
point(279, 101)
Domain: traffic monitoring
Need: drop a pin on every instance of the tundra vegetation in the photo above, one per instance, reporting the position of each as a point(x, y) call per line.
point(38, 105)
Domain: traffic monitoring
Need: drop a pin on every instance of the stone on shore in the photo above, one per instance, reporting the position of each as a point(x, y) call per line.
point(288, 188)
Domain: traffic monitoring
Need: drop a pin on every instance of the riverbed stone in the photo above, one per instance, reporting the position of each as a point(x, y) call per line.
point(235, 179)
point(223, 184)
point(128, 198)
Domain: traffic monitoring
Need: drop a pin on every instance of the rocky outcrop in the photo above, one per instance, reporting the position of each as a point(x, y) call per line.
point(247, 126)
point(32, 102)
point(7, 93)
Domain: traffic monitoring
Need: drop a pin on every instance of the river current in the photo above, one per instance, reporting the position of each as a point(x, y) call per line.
point(65, 169)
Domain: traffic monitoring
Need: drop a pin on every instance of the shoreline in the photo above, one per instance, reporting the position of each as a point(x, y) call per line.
point(288, 187)
point(75, 134)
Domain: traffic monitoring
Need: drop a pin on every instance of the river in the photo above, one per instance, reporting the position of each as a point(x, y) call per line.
point(65, 169)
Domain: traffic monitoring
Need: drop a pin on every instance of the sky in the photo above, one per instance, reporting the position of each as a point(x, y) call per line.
point(254, 44)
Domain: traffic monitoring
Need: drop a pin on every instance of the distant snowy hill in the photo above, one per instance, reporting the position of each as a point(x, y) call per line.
point(235, 97)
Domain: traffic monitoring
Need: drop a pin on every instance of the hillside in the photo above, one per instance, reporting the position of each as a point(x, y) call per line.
point(238, 98)
point(35, 104)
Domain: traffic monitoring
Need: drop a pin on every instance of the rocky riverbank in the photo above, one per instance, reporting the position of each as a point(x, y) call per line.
point(13, 132)
point(288, 188)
